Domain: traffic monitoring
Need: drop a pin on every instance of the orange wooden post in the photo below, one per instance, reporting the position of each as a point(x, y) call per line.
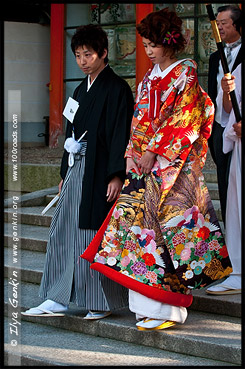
point(56, 73)
point(143, 63)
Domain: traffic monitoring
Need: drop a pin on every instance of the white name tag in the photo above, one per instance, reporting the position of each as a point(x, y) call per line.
point(70, 109)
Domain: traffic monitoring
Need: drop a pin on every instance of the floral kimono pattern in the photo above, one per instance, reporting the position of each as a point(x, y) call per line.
point(162, 238)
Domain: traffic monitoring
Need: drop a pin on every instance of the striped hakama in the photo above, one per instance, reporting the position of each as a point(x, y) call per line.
point(66, 276)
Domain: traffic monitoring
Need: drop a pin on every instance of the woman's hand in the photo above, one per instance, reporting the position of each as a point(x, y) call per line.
point(132, 165)
point(146, 162)
point(114, 189)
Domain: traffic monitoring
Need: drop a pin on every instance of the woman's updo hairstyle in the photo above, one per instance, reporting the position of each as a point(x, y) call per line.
point(163, 28)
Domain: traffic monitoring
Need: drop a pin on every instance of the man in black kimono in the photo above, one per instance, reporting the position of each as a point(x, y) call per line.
point(229, 21)
point(92, 178)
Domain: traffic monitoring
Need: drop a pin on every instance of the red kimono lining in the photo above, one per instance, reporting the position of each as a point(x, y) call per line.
point(167, 297)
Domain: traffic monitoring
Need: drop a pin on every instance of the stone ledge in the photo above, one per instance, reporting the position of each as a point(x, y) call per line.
point(33, 177)
point(35, 198)
point(203, 335)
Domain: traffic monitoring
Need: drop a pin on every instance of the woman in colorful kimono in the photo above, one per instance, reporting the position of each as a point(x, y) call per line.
point(162, 238)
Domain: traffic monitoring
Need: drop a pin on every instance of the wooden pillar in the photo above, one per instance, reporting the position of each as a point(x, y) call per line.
point(56, 73)
point(143, 63)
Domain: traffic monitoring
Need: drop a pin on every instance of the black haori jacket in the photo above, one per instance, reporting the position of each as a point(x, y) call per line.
point(105, 111)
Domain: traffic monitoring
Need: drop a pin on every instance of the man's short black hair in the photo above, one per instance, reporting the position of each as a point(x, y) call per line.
point(93, 36)
point(236, 15)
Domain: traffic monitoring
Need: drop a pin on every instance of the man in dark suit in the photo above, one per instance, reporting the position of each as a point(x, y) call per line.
point(229, 20)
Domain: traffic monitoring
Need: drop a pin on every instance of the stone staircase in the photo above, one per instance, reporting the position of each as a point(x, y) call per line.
point(211, 335)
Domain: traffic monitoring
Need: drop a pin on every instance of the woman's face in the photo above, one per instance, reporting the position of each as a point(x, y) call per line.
point(154, 52)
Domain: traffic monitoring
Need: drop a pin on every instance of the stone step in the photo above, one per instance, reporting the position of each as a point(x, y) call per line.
point(43, 345)
point(210, 336)
point(48, 199)
point(210, 175)
point(35, 198)
point(30, 269)
point(217, 208)
point(34, 177)
point(34, 227)
point(213, 190)
point(212, 187)
point(29, 265)
point(31, 237)
point(230, 305)
point(31, 215)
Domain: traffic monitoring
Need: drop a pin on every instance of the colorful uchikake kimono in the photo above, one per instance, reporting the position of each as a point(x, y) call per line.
point(162, 238)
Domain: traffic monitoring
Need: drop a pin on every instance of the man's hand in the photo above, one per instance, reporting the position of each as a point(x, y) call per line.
point(228, 84)
point(238, 128)
point(60, 185)
point(114, 189)
point(146, 162)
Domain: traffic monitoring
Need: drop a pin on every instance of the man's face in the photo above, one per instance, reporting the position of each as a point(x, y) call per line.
point(88, 61)
point(227, 29)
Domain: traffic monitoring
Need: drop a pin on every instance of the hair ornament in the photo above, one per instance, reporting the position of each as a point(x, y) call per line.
point(170, 37)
